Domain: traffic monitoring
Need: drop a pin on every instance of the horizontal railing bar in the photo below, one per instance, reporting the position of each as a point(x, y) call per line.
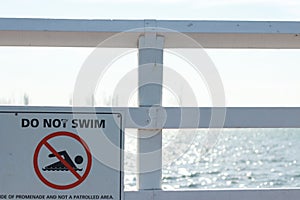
point(89, 33)
point(189, 117)
point(230, 194)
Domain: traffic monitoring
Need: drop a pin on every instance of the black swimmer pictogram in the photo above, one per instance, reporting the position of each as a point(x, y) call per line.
point(59, 166)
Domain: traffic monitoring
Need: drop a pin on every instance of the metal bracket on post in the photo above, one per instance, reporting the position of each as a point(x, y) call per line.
point(149, 161)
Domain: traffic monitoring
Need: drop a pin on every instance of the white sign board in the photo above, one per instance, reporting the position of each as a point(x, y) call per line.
point(61, 155)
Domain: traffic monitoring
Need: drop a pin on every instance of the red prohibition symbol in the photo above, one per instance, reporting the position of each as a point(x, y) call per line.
point(66, 165)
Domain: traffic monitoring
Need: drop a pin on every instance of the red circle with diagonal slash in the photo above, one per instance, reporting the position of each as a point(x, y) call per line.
point(45, 143)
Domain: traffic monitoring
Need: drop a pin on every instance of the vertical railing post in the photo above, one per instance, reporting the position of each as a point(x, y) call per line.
point(150, 77)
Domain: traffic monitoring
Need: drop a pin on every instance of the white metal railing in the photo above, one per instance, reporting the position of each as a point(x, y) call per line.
point(210, 34)
point(89, 33)
point(236, 117)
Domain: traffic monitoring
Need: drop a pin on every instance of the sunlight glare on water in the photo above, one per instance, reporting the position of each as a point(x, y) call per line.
point(242, 158)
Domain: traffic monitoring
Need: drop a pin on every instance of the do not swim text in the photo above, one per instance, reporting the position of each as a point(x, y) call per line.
point(62, 123)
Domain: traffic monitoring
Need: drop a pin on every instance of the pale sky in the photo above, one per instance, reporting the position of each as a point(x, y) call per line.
point(250, 77)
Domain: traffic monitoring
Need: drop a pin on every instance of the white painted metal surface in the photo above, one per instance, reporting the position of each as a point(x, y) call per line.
point(226, 194)
point(243, 117)
point(89, 33)
point(150, 78)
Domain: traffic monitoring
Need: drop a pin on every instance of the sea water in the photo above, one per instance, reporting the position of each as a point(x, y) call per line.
point(232, 158)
